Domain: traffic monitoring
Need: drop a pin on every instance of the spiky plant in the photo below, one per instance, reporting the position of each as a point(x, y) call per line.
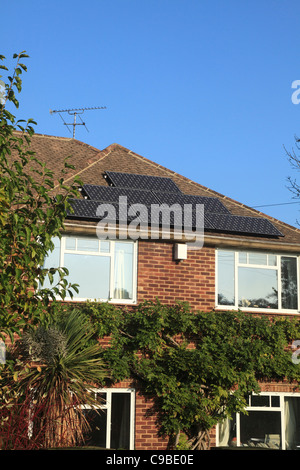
point(64, 365)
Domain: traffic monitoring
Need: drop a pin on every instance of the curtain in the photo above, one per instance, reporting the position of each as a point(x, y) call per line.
point(292, 424)
point(119, 292)
point(224, 432)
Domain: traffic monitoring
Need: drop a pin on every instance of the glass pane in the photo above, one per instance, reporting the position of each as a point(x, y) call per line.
point(70, 243)
point(242, 257)
point(92, 273)
point(260, 400)
point(227, 432)
point(104, 247)
point(120, 421)
point(226, 278)
point(52, 260)
point(101, 398)
point(272, 260)
point(257, 287)
point(123, 272)
point(275, 402)
point(258, 258)
point(292, 419)
point(88, 244)
point(261, 429)
point(289, 292)
point(97, 434)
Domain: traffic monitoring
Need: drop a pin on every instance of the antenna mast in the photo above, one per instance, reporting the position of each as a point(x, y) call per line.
point(74, 112)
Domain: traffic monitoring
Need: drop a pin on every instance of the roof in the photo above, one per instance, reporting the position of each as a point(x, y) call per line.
point(93, 165)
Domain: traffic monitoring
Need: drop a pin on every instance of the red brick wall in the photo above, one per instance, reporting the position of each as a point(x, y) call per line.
point(191, 280)
point(160, 276)
point(146, 430)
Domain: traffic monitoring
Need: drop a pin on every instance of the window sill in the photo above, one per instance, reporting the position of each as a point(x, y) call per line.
point(112, 301)
point(256, 310)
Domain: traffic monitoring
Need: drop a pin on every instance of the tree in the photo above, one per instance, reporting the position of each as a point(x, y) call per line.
point(294, 160)
point(31, 215)
point(197, 367)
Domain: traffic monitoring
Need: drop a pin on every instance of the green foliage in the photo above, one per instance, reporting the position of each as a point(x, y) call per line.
point(31, 214)
point(197, 366)
point(54, 367)
point(33, 208)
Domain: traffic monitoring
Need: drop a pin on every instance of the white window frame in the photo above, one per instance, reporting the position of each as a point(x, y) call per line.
point(64, 250)
point(280, 409)
point(107, 406)
point(238, 264)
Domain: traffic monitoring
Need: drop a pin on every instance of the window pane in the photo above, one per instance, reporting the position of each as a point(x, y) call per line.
point(70, 243)
point(261, 429)
point(98, 423)
point(272, 260)
point(275, 402)
point(225, 278)
point(257, 287)
point(88, 244)
point(120, 421)
point(258, 258)
point(92, 273)
point(292, 419)
point(104, 246)
point(52, 261)
point(101, 398)
point(289, 292)
point(242, 257)
point(123, 275)
point(260, 400)
point(227, 432)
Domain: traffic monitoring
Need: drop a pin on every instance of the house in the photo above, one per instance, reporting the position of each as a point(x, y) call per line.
point(229, 256)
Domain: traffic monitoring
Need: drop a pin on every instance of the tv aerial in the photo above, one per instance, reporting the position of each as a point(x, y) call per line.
point(75, 113)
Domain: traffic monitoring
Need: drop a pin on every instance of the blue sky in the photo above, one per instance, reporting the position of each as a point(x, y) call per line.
point(202, 87)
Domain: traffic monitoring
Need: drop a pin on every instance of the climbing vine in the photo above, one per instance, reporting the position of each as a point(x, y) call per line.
point(197, 367)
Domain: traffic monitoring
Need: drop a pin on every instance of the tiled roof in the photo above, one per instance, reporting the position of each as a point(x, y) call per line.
point(91, 165)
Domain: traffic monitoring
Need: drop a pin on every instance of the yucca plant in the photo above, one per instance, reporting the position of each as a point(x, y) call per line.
point(63, 365)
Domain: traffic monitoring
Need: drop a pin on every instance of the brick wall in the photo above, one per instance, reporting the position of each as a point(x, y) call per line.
point(191, 280)
point(146, 431)
point(159, 276)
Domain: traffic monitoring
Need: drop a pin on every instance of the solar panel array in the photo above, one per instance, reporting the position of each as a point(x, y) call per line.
point(146, 182)
point(130, 196)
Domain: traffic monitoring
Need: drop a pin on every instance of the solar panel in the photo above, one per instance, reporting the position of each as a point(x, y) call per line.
point(144, 182)
point(112, 194)
point(245, 225)
point(211, 204)
point(156, 216)
point(83, 209)
point(95, 210)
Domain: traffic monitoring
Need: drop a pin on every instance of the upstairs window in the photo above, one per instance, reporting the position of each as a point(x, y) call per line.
point(254, 280)
point(104, 269)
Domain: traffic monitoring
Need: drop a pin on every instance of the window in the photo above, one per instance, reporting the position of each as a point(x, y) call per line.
point(112, 427)
point(257, 280)
point(272, 422)
point(104, 270)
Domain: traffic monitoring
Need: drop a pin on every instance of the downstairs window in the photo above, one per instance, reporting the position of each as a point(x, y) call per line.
point(272, 422)
point(112, 426)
